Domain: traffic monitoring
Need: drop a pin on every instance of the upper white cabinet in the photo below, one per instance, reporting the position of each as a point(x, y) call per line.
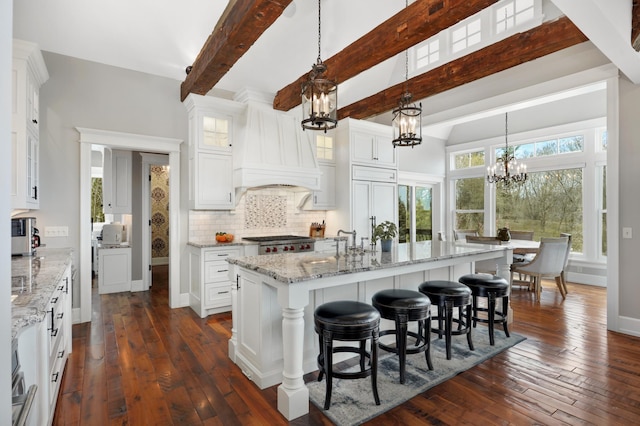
point(211, 135)
point(325, 197)
point(371, 145)
point(116, 181)
point(28, 74)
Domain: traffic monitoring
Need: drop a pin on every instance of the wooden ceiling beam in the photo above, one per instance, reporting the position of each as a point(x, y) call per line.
point(414, 24)
point(635, 25)
point(523, 47)
point(240, 25)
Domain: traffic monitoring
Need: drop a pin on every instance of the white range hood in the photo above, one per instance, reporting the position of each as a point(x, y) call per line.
point(273, 150)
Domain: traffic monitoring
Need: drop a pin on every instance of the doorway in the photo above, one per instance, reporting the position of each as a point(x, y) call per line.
point(133, 142)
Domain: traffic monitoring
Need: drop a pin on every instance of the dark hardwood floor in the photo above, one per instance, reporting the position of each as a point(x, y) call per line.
point(140, 363)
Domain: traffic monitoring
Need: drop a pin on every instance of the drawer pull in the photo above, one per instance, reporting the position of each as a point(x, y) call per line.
point(54, 377)
point(54, 332)
point(223, 270)
point(223, 292)
point(60, 315)
point(61, 288)
point(223, 254)
point(54, 300)
point(61, 354)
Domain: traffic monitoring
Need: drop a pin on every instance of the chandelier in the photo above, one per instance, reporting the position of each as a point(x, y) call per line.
point(506, 170)
point(407, 117)
point(319, 95)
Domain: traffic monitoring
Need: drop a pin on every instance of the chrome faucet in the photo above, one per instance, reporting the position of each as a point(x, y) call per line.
point(346, 244)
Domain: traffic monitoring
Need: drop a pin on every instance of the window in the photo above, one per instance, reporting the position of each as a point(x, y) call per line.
point(324, 147)
point(468, 159)
point(548, 203)
point(602, 138)
point(421, 197)
point(469, 204)
point(513, 13)
point(215, 131)
point(547, 147)
point(97, 215)
point(603, 212)
point(466, 35)
point(428, 53)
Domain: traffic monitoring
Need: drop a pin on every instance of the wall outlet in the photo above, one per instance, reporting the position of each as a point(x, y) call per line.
point(56, 231)
point(627, 232)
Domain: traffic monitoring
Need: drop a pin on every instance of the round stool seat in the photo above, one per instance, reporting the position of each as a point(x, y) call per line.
point(490, 287)
point(482, 284)
point(441, 290)
point(403, 306)
point(347, 320)
point(410, 302)
point(358, 316)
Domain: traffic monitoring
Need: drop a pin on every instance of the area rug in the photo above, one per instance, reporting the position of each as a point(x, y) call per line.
point(352, 400)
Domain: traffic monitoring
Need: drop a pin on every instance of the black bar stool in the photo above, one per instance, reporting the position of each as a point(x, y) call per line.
point(448, 295)
point(491, 287)
point(403, 306)
point(347, 321)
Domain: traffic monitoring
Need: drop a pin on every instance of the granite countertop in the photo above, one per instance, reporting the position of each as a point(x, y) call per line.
point(292, 268)
point(113, 246)
point(34, 278)
point(214, 243)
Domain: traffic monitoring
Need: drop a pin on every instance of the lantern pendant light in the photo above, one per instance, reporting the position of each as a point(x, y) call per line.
point(319, 95)
point(407, 117)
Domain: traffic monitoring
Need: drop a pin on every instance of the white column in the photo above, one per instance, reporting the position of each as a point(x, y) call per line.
point(293, 395)
point(504, 271)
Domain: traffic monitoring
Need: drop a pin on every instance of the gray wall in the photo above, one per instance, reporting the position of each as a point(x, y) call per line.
point(629, 176)
point(428, 157)
point(86, 94)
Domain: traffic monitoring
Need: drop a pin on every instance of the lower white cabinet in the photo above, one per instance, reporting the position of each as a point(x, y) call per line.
point(209, 285)
point(43, 350)
point(114, 270)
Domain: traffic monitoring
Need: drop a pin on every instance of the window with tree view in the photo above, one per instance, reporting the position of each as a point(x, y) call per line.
point(548, 203)
point(417, 201)
point(469, 210)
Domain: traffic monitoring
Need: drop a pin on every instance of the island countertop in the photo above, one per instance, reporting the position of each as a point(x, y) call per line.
point(34, 278)
point(292, 268)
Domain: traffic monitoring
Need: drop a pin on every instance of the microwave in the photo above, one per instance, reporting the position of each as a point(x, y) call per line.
point(24, 236)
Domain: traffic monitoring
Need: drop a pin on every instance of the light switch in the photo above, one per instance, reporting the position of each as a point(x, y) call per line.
point(627, 232)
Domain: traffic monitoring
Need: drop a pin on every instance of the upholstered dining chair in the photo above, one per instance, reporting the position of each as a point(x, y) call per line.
point(548, 263)
point(461, 234)
point(566, 262)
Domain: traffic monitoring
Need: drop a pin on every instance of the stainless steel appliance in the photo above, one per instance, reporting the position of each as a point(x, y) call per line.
point(24, 236)
point(21, 398)
point(275, 244)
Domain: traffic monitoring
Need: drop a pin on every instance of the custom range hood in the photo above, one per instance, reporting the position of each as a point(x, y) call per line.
point(273, 151)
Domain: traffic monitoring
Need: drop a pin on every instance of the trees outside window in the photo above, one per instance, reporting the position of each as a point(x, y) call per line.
point(421, 197)
point(469, 207)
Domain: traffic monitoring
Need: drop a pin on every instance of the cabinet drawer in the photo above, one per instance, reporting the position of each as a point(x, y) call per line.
point(216, 271)
point(210, 255)
point(375, 174)
point(217, 295)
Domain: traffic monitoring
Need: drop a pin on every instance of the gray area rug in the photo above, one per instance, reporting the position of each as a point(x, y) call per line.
point(352, 400)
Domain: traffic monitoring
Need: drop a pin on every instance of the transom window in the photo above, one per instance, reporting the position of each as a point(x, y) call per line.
point(428, 53)
point(468, 159)
point(466, 35)
point(546, 147)
point(513, 13)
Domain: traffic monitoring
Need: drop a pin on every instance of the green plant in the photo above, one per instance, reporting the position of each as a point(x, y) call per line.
point(385, 231)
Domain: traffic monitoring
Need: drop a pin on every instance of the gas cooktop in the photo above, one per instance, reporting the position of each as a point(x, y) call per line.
point(276, 238)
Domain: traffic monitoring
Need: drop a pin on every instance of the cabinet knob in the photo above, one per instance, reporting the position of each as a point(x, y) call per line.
point(34, 121)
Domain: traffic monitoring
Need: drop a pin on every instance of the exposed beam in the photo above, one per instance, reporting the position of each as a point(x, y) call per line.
point(635, 25)
point(240, 25)
point(520, 48)
point(419, 21)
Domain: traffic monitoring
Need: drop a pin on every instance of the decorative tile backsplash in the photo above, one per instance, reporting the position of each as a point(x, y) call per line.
point(270, 211)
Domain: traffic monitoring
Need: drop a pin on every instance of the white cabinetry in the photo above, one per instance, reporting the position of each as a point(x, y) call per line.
point(116, 182)
point(211, 133)
point(44, 349)
point(209, 285)
point(28, 74)
point(114, 270)
point(367, 171)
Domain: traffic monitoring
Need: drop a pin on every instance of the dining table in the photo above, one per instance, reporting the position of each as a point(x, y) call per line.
point(523, 246)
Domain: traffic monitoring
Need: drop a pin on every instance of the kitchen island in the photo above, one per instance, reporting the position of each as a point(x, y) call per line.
point(274, 296)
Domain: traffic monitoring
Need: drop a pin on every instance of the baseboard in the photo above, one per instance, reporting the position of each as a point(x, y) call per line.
point(588, 279)
point(75, 316)
point(159, 261)
point(628, 325)
point(137, 285)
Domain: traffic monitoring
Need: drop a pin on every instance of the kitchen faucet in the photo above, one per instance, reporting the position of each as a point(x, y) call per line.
point(346, 244)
